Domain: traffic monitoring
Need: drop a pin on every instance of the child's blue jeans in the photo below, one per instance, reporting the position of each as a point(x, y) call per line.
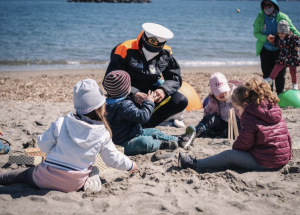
point(149, 141)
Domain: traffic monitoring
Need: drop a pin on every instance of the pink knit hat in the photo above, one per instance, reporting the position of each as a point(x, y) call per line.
point(117, 83)
point(218, 83)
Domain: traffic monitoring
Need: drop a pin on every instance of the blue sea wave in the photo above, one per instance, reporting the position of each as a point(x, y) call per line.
point(54, 34)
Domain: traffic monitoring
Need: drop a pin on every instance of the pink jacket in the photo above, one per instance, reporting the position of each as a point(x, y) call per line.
point(219, 108)
point(265, 135)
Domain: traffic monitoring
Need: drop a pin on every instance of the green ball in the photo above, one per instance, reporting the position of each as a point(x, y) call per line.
point(289, 98)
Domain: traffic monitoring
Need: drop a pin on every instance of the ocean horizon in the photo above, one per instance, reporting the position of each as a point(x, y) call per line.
point(54, 34)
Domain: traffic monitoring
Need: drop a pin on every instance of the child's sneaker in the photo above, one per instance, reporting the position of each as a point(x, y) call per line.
point(179, 123)
point(186, 139)
point(186, 161)
point(190, 129)
point(269, 81)
point(169, 145)
point(295, 86)
point(93, 183)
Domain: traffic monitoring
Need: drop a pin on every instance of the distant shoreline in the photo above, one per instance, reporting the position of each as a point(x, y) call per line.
point(101, 71)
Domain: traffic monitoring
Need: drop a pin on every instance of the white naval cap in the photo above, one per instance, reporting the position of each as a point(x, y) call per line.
point(160, 32)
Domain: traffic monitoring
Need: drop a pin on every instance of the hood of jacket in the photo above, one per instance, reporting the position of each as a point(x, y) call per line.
point(273, 1)
point(84, 131)
point(266, 112)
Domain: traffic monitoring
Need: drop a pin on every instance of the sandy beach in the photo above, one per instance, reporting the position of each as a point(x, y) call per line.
point(30, 101)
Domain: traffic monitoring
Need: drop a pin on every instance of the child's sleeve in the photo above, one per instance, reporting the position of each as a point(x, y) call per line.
point(276, 41)
point(47, 139)
point(209, 108)
point(138, 115)
point(113, 158)
point(297, 40)
point(246, 138)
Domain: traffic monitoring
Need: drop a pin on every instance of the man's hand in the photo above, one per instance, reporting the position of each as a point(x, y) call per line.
point(140, 97)
point(159, 95)
point(271, 38)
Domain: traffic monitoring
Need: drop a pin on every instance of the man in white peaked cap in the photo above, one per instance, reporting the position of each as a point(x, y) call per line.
point(145, 59)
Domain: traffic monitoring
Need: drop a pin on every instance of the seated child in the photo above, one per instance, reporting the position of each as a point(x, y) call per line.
point(288, 56)
point(263, 142)
point(215, 118)
point(125, 119)
point(72, 143)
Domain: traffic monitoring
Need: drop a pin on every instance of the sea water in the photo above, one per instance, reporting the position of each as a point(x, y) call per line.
point(54, 34)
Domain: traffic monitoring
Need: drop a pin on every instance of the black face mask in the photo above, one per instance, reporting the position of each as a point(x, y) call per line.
point(151, 44)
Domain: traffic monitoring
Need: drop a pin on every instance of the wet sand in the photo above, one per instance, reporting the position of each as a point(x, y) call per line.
point(30, 101)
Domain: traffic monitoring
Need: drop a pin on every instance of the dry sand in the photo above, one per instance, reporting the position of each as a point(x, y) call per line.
point(30, 101)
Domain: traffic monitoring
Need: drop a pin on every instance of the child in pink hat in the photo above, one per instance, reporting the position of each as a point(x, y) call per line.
point(215, 119)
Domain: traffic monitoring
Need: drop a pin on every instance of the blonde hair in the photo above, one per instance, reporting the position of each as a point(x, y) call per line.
point(253, 91)
point(100, 115)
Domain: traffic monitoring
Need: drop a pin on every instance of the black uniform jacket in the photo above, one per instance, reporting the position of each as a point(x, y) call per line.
point(128, 56)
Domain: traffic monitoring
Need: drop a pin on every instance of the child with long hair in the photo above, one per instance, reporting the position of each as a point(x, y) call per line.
point(215, 118)
point(263, 142)
point(126, 119)
point(71, 144)
point(288, 56)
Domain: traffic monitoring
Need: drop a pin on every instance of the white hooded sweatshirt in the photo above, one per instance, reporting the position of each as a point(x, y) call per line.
point(72, 144)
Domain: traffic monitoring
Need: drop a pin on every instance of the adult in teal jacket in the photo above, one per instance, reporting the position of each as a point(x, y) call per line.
point(265, 30)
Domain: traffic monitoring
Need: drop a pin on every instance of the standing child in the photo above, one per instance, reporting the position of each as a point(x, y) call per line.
point(215, 119)
point(72, 143)
point(263, 142)
point(125, 119)
point(288, 56)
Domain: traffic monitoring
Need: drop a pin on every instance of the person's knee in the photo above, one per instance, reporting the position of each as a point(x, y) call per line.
point(141, 145)
point(140, 142)
point(228, 155)
point(179, 99)
point(209, 120)
point(183, 102)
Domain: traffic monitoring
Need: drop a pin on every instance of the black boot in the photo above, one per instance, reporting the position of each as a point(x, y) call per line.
point(169, 145)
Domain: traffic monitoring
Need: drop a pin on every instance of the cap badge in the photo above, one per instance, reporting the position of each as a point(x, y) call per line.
point(153, 41)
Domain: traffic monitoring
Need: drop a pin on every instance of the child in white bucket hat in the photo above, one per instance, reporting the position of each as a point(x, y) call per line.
point(215, 119)
point(71, 144)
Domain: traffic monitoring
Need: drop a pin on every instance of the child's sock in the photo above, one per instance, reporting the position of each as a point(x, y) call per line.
point(295, 86)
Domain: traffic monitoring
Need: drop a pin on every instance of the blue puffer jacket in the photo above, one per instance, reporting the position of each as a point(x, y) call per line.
point(125, 119)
